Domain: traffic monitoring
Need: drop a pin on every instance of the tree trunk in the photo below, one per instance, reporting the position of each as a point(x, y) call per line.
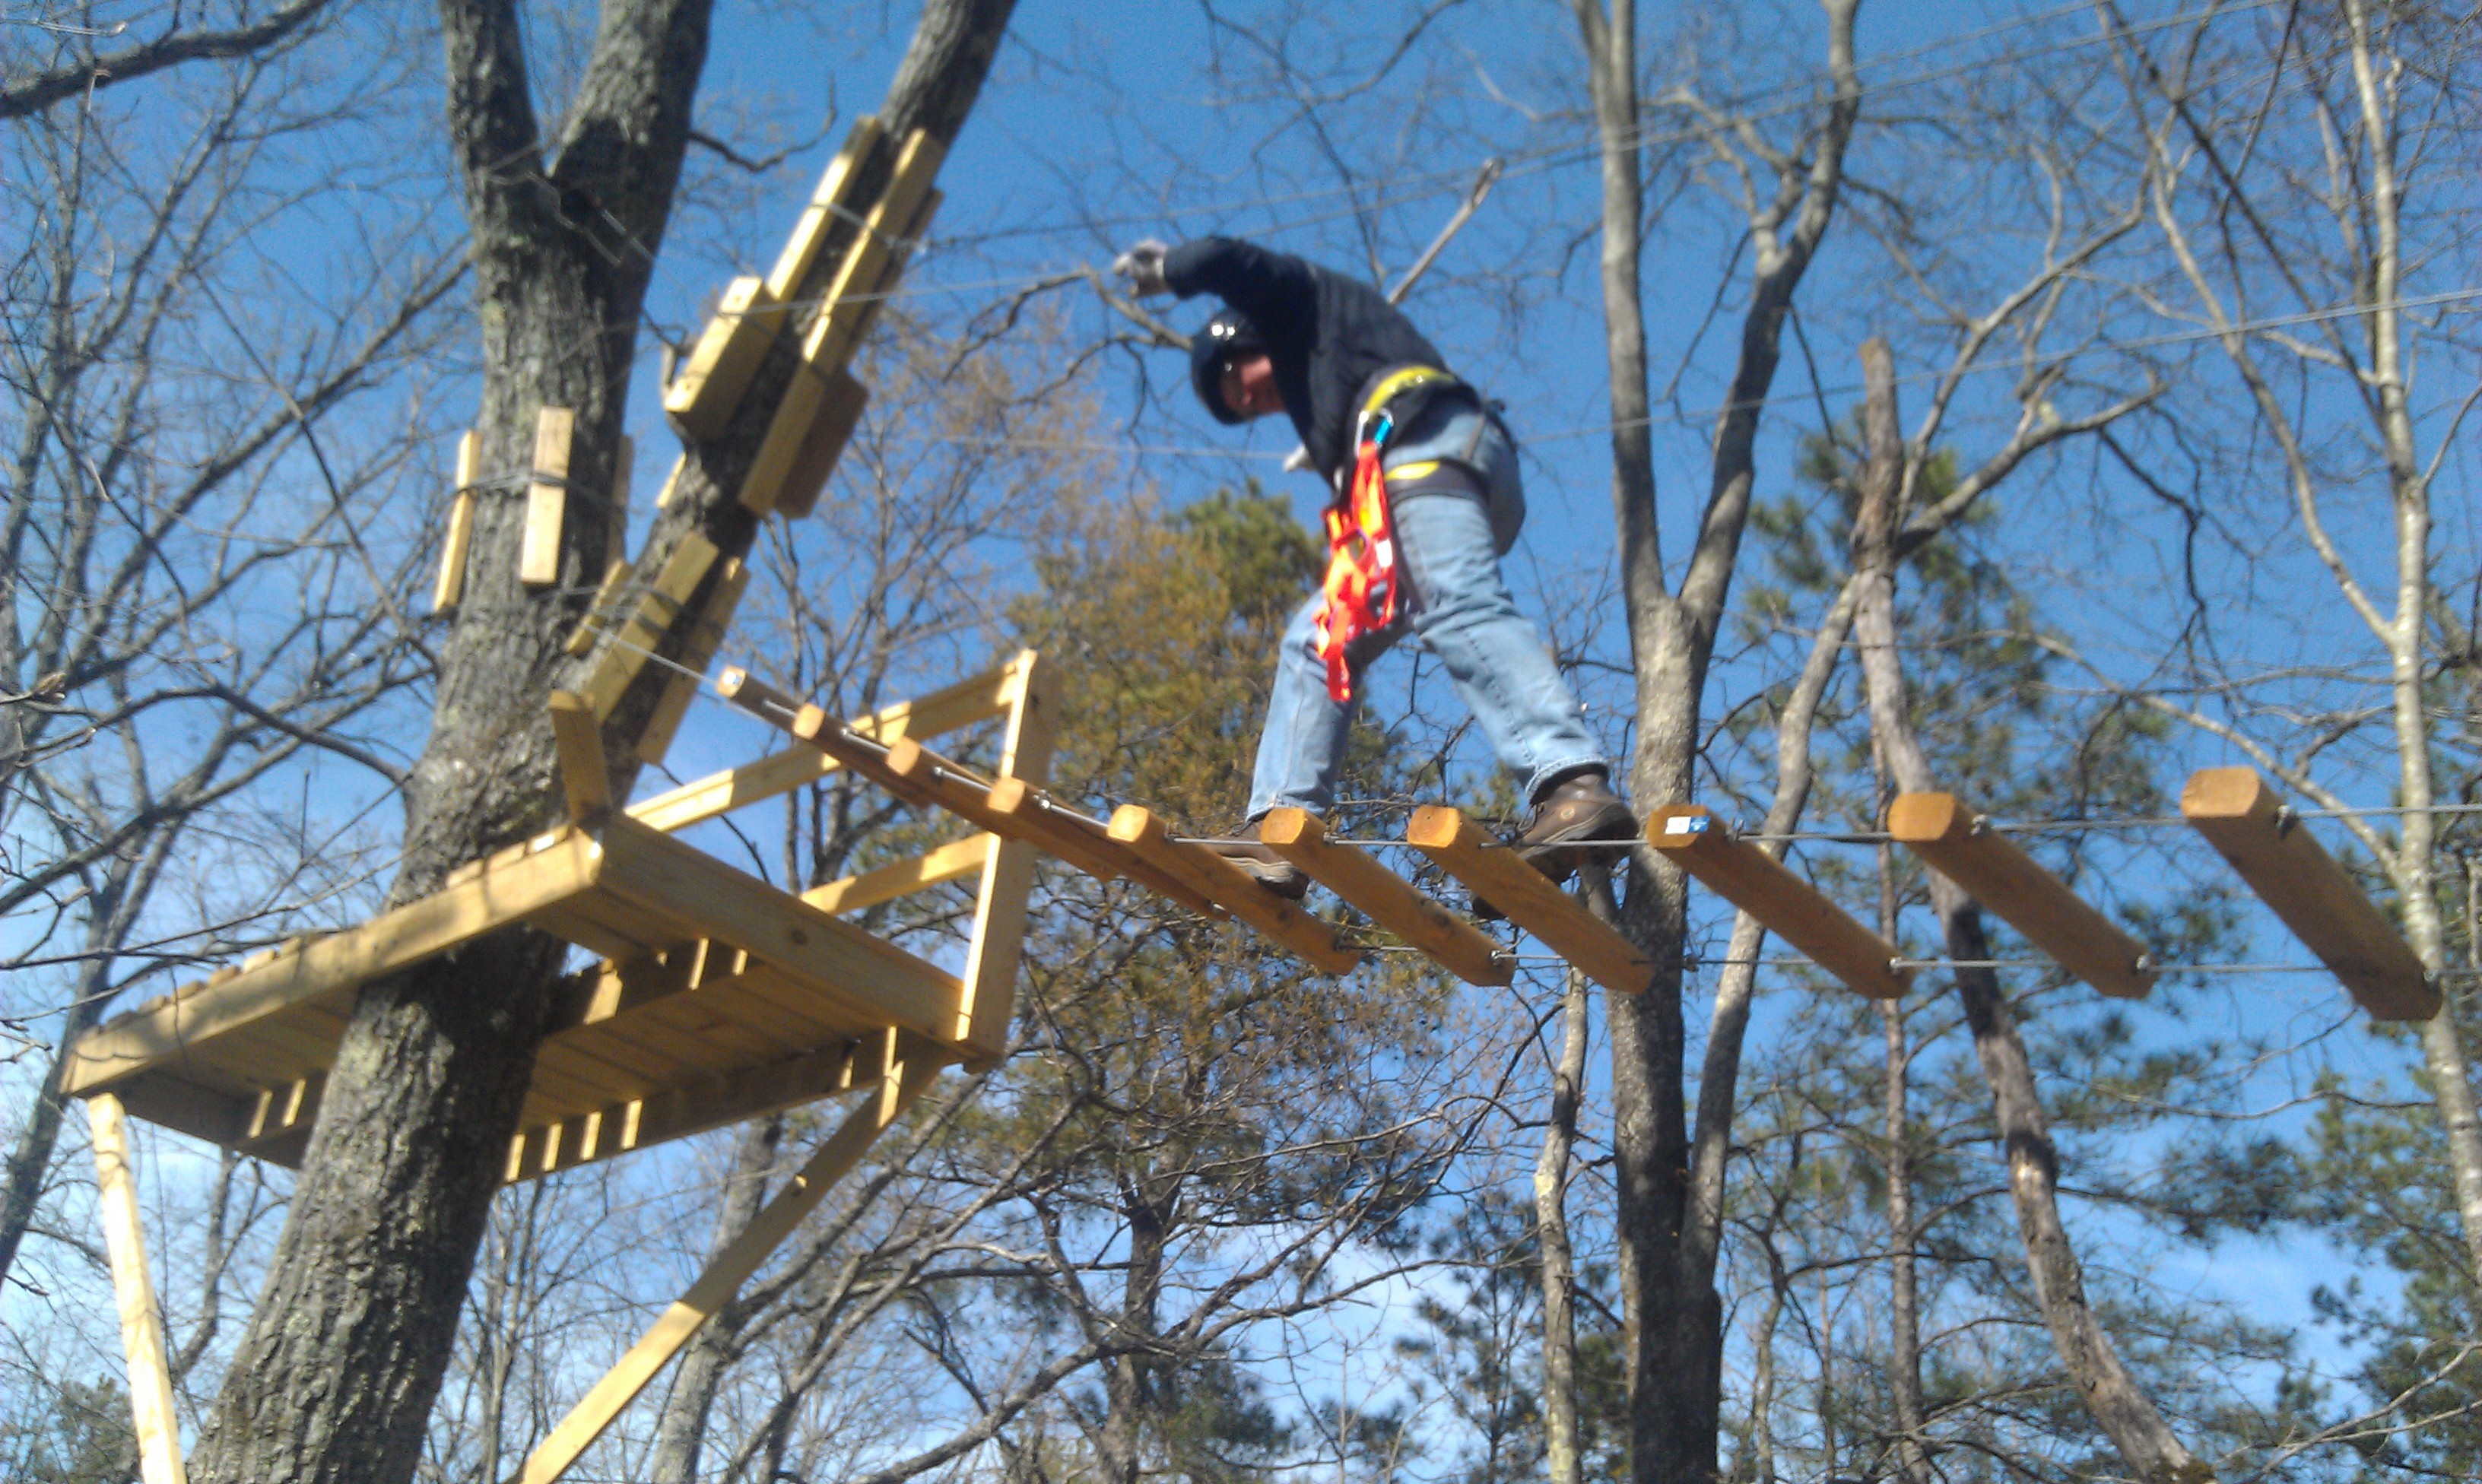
point(1128, 1396)
point(1904, 1302)
point(342, 1361)
point(1675, 1315)
point(21, 1185)
point(1561, 1464)
point(2111, 1394)
point(699, 1376)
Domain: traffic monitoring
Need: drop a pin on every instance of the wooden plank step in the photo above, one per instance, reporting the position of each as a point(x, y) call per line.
point(1388, 899)
point(1993, 872)
point(2245, 820)
point(1784, 903)
point(1220, 881)
point(1496, 874)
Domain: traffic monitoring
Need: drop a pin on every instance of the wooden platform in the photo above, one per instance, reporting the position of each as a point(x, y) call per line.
point(719, 997)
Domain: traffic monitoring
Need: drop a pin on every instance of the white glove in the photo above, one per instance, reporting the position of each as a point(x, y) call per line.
point(1144, 267)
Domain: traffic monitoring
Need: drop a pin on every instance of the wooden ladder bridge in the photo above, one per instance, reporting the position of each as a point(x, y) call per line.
point(719, 998)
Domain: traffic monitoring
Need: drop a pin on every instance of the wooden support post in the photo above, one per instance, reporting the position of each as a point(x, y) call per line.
point(1993, 872)
point(546, 497)
point(1496, 874)
point(141, 1323)
point(1220, 881)
point(602, 613)
point(912, 1065)
point(451, 586)
point(1000, 898)
point(2248, 824)
point(585, 775)
point(1455, 943)
point(706, 636)
point(1784, 903)
point(706, 391)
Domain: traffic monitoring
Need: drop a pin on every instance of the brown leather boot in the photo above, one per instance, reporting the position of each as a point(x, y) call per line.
point(1263, 865)
point(1579, 807)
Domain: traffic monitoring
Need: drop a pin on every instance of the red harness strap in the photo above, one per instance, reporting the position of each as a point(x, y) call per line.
point(1360, 565)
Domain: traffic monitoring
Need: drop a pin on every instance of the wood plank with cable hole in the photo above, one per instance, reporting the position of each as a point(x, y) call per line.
point(1220, 881)
point(1388, 899)
point(1954, 842)
point(698, 650)
point(1496, 874)
point(1791, 908)
point(2248, 824)
point(650, 618)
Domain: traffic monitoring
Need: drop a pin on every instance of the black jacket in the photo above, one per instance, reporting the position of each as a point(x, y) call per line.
point(1327, 335)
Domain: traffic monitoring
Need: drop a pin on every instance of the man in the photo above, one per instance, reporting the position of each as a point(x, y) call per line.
point(1428, 500)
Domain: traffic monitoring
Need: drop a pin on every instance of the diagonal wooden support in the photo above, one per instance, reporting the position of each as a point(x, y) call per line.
point(141, 1323)
point(2248, 826)
point(1220, 881)
point(1992, 871)
point(1388, 899)
point(1784, 903)
point(908, 1069)
point(1528, 899)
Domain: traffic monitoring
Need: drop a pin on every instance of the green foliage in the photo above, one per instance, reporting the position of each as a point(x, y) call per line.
point(83, 1437)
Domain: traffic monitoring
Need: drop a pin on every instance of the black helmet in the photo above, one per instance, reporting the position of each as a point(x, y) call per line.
point(1228, 335)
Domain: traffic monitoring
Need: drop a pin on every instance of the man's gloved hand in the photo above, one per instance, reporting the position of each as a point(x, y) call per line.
point(1144, 267)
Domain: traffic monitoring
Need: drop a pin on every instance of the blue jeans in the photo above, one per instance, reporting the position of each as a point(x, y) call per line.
point(1449, 540)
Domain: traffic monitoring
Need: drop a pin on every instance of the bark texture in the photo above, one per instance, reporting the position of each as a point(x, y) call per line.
point(1560, 1463)
point(2124, 1411)
point(1667, 1258)
point(342, 1361)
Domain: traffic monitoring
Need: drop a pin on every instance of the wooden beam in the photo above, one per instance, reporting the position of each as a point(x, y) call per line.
point(650, 618)
point(1224, 883)
point(872, 266)
point(142, 1322)
point(1388, 899)
point(450, 585)
point(2248, 824)
point(960, 705)
point(705, 390)
point(903, 878)
point(585, 777)
point(1001, 897)
point(1993, 872)
point(908, 1069)
point(829, 204)
point(546, 497)
point(501, 894)
point(1528, 899)
point(601, 613)
point(1784, 903)
point(840, 411)
point(698, 650)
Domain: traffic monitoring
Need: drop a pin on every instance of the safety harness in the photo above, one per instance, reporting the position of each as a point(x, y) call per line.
point(1361, 539)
